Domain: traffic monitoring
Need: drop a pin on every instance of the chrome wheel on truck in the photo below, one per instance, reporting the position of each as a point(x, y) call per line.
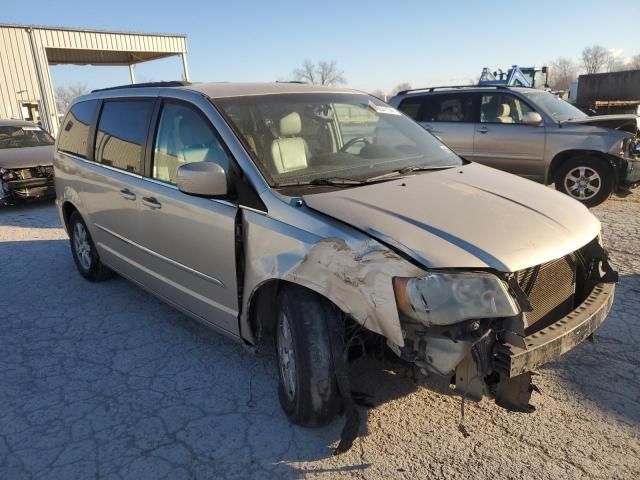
point(589, 180)
point(582, 183)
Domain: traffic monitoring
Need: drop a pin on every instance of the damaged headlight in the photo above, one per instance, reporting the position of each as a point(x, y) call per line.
point(630, 147)
point(441, 298)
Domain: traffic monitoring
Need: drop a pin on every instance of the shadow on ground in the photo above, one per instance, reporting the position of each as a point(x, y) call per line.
point(104, 379)
point(606, 371)
point(28, 214)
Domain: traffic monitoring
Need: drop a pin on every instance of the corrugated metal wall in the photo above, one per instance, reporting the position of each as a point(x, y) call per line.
point(23, 59)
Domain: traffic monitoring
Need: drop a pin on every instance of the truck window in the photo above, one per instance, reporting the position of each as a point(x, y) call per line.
point(447, 108)
point(74, 134)
point(122, 129)
point(411, 106)
point(502, 108)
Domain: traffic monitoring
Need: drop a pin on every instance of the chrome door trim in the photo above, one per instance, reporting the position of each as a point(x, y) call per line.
point(216, 200)
point(162, 257)
point(101, 165)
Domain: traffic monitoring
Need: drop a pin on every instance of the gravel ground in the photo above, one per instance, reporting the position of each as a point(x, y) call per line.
point(103, 380)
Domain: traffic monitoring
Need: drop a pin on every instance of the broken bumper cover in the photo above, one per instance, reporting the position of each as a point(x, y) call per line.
point(551, 342)
point(24, 188)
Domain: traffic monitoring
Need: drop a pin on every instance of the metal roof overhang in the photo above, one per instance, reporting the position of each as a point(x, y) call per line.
point(73, 56)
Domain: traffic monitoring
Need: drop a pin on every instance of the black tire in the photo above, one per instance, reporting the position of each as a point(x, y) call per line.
point(89, 265)
point(604, 183)
point(316, 399)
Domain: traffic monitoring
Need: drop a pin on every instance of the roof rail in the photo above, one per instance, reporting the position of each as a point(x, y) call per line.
point(174, 83)
point(431, 89)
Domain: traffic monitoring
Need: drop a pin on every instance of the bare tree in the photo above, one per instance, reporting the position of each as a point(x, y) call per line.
point(65, 95)
point(400, 87)
point(634, 63)
point(562, 71)
point(322, 73)
point(595, 58)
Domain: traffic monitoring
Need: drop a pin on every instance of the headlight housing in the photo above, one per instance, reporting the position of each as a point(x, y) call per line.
point(445, 298)
point(630, 147)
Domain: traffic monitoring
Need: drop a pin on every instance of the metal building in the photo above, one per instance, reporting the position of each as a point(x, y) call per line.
point(26, 90)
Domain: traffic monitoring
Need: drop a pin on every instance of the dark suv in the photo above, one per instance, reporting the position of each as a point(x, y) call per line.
point(533, 134)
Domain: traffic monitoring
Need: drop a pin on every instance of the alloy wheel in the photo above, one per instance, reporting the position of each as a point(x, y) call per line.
point(82, 245)
point(582, 183)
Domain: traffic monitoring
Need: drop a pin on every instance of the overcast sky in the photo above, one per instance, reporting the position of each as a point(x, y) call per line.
point(378, 44)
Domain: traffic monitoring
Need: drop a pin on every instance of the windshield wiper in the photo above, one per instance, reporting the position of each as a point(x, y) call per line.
point(332, 181)
point(406, 170)
point(350, 182)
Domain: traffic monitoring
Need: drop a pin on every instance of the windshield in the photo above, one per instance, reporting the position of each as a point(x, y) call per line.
point(23, 136)
point(553, 106)
point(310, 137)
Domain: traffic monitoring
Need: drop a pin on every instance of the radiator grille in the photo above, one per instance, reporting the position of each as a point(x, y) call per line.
point(551, 289)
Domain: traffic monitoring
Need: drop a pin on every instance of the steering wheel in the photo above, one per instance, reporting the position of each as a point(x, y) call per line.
point(352, 142)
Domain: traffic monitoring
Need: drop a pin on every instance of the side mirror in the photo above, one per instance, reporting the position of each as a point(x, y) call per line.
point(532, 118)
point(202, 178)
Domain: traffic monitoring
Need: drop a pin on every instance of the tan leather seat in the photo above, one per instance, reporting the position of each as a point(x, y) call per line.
point(504, 113)
point(289, 151)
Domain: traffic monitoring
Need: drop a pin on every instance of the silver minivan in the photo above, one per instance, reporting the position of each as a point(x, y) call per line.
point(326, 219)
point(533, 134)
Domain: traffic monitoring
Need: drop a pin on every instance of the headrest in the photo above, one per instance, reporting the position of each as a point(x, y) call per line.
point(191, 130)
point(291, 124)
point(212, 153)
point(504, 110)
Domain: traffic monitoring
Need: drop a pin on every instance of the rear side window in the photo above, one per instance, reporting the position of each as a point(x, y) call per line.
point(121, 133)
point(411, 106)
point(447, 108)
point(74, 135)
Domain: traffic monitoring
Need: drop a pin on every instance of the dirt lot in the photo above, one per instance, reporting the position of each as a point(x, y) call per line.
point(103, 380)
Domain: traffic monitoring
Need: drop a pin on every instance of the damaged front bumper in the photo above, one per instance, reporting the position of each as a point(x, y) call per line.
point(558, 338)
point(562, 303)
point(26, 183)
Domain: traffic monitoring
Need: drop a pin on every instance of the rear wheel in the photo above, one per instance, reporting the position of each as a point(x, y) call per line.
point(307, 388)
point(587, 180)
point(84, 251)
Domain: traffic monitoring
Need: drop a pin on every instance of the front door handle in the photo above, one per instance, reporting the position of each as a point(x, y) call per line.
point(127, 194)
point(483, 129)
point(151, 202)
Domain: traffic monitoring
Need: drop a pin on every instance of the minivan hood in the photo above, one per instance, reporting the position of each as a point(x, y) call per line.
point(27, 157)
point(466, 217)
point(622, 121)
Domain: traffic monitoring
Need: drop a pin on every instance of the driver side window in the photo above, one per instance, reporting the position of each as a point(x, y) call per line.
point(183, 136)
point(501, 108)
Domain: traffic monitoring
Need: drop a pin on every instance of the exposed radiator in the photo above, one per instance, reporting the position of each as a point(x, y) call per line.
point(551, 289)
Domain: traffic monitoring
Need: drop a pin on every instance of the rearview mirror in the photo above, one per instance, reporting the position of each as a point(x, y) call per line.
point(532, 118)
point(202, 178)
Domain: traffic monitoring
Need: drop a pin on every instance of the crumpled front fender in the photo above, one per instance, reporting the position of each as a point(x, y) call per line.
point(354, 272)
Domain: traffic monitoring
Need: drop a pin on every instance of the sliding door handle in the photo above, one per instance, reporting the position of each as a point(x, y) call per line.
point(127, 194)
point(151, 202)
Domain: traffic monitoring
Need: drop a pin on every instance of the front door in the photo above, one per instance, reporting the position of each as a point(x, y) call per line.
point(189, 241)
point(502, 141)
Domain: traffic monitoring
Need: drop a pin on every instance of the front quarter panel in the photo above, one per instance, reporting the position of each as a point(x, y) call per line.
point(350, 269)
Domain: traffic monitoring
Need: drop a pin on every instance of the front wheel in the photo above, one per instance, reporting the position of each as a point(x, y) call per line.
point(307, 388)
point(587, 180)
